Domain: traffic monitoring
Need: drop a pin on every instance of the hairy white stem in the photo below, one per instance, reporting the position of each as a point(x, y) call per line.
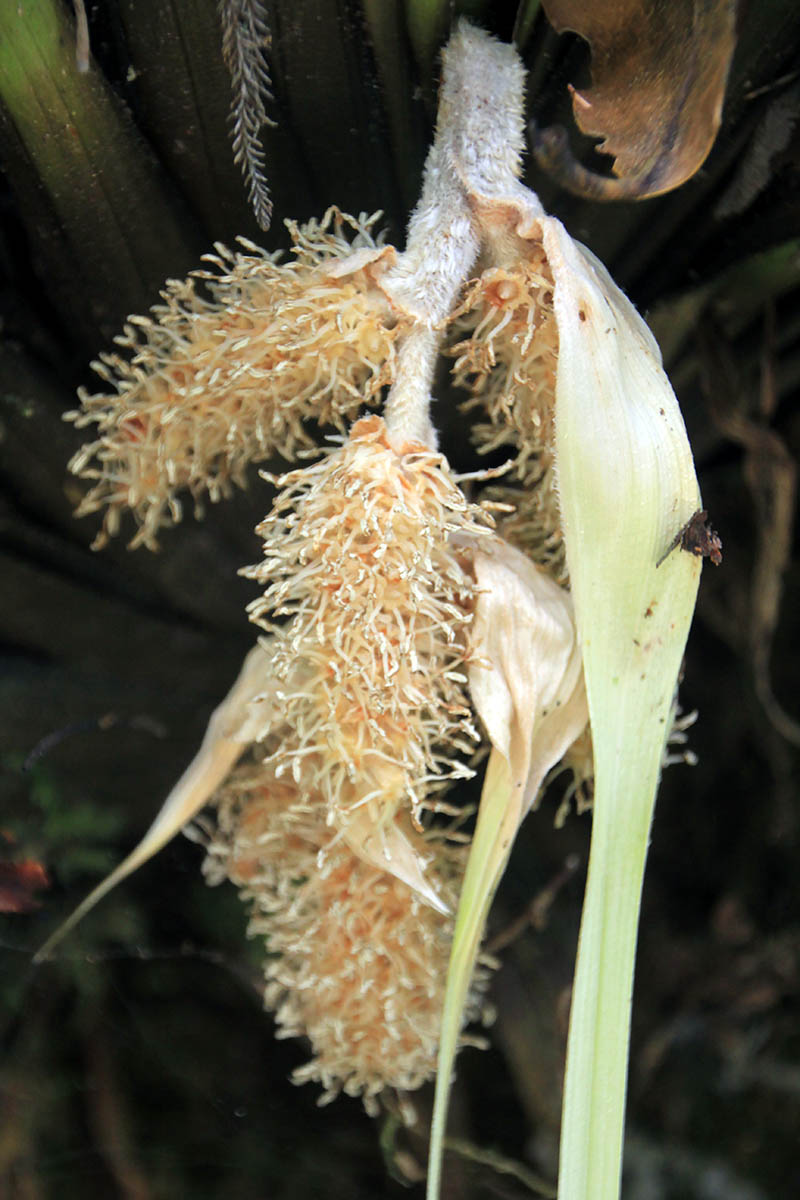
point(475, 155)
point(407, 409)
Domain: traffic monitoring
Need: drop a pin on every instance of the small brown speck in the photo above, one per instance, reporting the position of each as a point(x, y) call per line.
point(581, 314)
point(698, 538)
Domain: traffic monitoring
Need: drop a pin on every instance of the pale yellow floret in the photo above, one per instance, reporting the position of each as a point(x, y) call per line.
point(371, 665)
point(357, 962)
point(209, 385)
point(505, 343)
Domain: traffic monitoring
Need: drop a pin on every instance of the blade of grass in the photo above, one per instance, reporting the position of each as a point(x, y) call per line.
point(498, 820)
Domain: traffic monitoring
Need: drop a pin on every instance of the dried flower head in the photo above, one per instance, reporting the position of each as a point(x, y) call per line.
point(371, 664)
point(212, 384)
point(357, 961)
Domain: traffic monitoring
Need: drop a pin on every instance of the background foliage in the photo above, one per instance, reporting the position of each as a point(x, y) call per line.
point(139, 1063)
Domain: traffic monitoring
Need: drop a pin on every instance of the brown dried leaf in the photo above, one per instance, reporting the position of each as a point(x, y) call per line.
point(659, 69)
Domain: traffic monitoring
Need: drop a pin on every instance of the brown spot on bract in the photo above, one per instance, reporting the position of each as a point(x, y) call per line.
point(698, 538)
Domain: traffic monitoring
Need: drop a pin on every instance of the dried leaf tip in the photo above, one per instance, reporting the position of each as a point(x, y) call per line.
point(658, 81)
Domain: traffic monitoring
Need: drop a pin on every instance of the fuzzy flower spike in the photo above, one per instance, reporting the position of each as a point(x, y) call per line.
point(371, 665)
point(357, 960)
point(226, 373)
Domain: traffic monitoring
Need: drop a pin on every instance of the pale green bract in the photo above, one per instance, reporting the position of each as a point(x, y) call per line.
point(627, 484)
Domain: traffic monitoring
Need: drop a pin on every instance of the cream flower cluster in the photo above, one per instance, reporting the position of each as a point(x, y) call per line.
point(211, 383)
point(400, 633)
point(504, 340)
point(358, 555)
point(357, 960)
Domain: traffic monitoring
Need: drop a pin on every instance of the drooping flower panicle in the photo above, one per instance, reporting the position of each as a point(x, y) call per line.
point(362, 557)
point(387, 595)
point(400, 629)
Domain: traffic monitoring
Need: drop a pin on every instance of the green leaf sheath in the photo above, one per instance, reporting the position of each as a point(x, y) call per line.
point(89, 176)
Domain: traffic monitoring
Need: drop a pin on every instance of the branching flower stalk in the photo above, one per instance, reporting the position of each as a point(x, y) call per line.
point(400, 629)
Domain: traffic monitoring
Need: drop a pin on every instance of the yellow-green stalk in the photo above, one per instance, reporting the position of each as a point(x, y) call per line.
point(626, 484)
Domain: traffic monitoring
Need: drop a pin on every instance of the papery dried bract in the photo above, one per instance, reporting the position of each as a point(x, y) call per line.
point(526, 684)
point(226, 738)
point(391, 850)
point(658, 73)
point(526, 677)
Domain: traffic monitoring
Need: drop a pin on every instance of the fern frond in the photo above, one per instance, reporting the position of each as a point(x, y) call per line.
point(245, 40)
